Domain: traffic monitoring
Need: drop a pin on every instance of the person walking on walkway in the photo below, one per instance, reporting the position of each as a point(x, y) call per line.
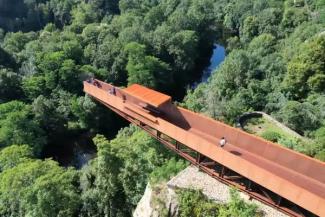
point(112, 91)
point(90, 80)
point(97, 84)
point(222, 142)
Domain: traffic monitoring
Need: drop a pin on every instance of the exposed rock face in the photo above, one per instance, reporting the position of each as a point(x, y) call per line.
point(144, 208)
point(161, 200)
point(158, 201)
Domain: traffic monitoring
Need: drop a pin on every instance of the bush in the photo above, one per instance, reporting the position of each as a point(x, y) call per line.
point(320, 155)
point(301, 117)
point(271, 136)
point(193, 203)
point(167, 170)
point(288, 142)
point(238, 207)
point(320, 136)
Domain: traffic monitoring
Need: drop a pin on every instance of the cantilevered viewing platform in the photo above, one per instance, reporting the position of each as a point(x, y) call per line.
point(147, 95)
point(289, 181)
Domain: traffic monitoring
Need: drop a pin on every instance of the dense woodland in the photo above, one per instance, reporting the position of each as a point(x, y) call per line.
point(275, 63)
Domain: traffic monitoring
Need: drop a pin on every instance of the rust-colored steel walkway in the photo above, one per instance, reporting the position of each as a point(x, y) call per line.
point(287, 180)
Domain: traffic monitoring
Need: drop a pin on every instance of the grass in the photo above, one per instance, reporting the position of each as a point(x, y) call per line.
point(268, 130)
point(258, 126)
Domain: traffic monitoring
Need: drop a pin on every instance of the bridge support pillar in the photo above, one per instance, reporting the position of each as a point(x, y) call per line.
point(198, 157)
point(222, 173)
point(158, 134)
point(278, 202)
point(177, 145)
point(249, 185)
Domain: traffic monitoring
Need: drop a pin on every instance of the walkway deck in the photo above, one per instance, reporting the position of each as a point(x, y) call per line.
point(294, 176)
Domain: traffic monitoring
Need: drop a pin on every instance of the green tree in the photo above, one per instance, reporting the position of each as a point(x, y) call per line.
point(272, 136)
point(235, 13)
point(19, 127)
point(38, 188)
point(139, 160)
point(167, 170)
point(146, 70)
point(14, 43)
point(72, 50)
point(61, 11)
point(292, 17)
point(320, 143)
point(51, 115)
point(6, 59)
point(10, 85)
point(34, 86)
point(238, 207)
point(320, 155)
point(83, 14)
point(302, 117)
point(13, 155)
point(262, 45)
point(99, 182)
point(90, 33)
point(306, 69)
point(269, 20)
point(194, 99)
point(193, 203)
point(84, 109)
point(70, 76)
point(182, 46)
point(250, 28)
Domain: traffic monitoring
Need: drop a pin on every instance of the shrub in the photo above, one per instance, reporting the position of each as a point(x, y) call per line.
point(238, 207)
point(193, 203)
point(288, 142)
point(167, 170)
point(320, 155)
point(271, 136)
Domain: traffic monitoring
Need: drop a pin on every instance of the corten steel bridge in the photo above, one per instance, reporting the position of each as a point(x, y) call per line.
point(287, 180)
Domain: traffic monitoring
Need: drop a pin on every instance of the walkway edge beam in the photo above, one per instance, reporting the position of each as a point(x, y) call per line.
point(291, 175)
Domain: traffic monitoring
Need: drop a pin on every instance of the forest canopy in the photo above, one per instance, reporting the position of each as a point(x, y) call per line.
point(275, 63)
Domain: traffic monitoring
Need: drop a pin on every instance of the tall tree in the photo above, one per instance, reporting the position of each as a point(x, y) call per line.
point(38, 188)
point(146, 70)
point(17, 126)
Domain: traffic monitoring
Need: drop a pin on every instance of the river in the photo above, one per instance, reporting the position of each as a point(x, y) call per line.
point(72, 150)
point(217, 57)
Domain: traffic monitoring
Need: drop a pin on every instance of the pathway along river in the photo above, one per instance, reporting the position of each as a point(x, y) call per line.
point(78, 150)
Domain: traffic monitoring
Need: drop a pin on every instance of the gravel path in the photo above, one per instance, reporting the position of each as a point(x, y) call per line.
point(191, 177)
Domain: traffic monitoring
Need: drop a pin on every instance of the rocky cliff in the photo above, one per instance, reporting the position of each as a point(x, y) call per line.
point(161, 200)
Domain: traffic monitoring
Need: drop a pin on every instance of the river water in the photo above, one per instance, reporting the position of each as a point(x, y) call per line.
point(217, 57)
point(72, 150)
